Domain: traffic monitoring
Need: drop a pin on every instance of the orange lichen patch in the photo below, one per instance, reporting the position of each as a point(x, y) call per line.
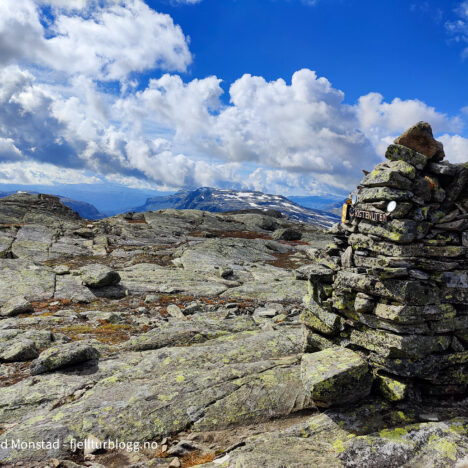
point(51, 309)
point(431, 182)
point(232, 234)
point(196, 458)
point(108, 333)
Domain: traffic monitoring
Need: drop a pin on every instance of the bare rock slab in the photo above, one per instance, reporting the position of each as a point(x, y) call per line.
point(62, 356)
point(20, 278)
point(335, 376)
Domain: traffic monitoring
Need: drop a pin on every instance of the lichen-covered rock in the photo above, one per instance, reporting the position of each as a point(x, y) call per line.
point(18, 350)
point(21, 278)
point(319, 319)
point(399, 346)
point(287, 234)
point(391, 388)
point(398, 230)
point(98, 276)
point(335, 376)
point(187, 333)
point(58, 357)
point(245, 374)
point(375, 194)
point(16, 306)
point(387, 175)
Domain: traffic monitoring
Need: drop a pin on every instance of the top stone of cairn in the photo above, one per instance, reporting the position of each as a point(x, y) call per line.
point(420, 138)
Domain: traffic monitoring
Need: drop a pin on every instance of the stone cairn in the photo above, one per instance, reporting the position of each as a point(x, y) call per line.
point(393, 287)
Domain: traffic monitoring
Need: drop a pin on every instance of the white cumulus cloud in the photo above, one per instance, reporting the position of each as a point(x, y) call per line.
point(57, 117)
point(109, 42)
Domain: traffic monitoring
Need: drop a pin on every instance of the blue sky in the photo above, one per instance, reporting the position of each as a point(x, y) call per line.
point(399, 48)
point(285, 96)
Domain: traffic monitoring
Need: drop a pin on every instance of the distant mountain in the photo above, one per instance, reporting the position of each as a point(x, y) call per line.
point(84, 209)
point(219, 200)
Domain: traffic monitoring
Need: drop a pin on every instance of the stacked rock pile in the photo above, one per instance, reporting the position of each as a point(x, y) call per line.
point(394, 285)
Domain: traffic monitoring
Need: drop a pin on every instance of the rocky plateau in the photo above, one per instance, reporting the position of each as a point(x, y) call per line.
point(185, 332)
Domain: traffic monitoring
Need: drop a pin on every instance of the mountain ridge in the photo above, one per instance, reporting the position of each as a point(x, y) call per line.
point(225, 200)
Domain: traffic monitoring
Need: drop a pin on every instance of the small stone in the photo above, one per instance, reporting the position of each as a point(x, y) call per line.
point(16, 306)
point(375, 194)
point(280, 318)
point(152, 298)
point(465, 239)
point(265, 312)
point(364, 303)
point(91, 445)
point(391, 388)
point(391, 345)
point(224, 272)
point(174, 311)
point(62, 270)
point(443, 168)
point(347, 258)
point(98, 276)
point(384, 177)
point(175, 463)
point(419, 275)
point(402, 231)
point(182, 448)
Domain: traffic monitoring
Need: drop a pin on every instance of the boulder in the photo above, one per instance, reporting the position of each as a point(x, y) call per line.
point(98, 276)
point(18, 350)
point(16, 306)
point(58, 357)
point(287, 234)
point(335, 376)
point(420, 138)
